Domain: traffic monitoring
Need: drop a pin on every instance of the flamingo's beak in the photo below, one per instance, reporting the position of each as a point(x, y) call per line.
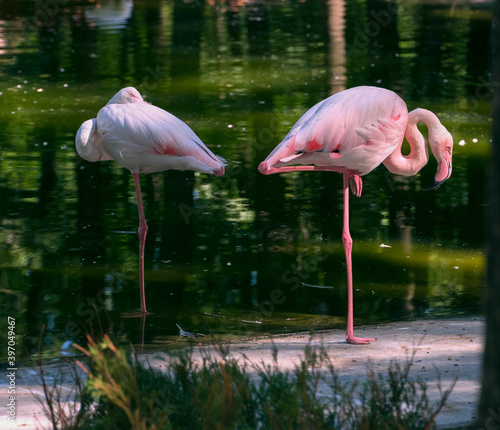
point(443, 171)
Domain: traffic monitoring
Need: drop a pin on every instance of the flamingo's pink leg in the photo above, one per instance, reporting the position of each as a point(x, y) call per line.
point(143, 229)
point(347, 239)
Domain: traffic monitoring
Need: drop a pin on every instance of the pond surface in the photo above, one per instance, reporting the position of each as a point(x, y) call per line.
point(243, 254)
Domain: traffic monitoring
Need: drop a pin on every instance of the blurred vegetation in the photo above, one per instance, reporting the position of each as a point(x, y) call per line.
point(221, 393)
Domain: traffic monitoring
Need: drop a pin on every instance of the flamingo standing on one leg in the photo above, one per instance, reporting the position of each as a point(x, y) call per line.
point(144, 139)
point(352, 132)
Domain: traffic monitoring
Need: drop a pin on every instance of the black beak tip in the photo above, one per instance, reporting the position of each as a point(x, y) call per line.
point(435, 185)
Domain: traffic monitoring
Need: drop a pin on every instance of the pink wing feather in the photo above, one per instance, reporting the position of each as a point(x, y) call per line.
point(138, 134)
point(349, 132)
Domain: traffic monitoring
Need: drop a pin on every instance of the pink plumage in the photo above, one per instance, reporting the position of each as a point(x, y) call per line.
point(144, 139)
point(352, 132)
point(356, 130)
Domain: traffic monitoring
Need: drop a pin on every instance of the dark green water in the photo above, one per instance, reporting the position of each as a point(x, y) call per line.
point(243, 246)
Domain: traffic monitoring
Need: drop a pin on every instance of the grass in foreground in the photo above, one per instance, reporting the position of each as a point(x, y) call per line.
point(219, 393)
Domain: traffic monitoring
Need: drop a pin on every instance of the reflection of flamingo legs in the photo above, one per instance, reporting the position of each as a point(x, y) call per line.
point(406, 239)
point(143, 328)
point(347, 239)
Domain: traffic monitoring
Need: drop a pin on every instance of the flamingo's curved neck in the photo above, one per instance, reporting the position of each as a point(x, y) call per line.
point(418, 157)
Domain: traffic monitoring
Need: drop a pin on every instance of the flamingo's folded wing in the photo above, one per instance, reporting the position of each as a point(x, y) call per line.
point(142, 130)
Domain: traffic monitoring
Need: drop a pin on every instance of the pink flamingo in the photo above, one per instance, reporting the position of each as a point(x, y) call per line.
point(352, 132)
point(144, 139)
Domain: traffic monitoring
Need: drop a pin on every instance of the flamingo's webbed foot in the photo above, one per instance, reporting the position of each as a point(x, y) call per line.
point(359, 340)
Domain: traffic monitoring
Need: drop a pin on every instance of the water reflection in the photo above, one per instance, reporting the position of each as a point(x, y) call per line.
point(337, 55)
point(110, 16)
point(245, 246)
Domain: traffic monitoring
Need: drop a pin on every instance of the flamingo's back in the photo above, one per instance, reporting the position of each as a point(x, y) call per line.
point(349, 132)
point(146, 139)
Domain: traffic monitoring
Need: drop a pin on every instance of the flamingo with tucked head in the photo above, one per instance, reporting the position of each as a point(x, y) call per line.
point(144, 139)
point(352, 132)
